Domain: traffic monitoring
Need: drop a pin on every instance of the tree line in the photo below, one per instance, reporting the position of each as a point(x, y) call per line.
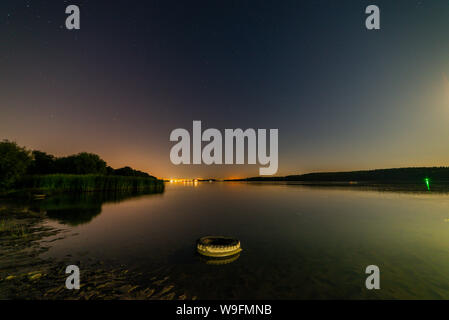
point(17, 162)
point(394, 175)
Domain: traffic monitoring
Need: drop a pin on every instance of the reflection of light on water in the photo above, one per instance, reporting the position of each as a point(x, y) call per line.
point(427, 180)
point(219, 261)
point(185, 181)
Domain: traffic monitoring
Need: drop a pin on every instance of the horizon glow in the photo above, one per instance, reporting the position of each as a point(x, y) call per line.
point(344, 98)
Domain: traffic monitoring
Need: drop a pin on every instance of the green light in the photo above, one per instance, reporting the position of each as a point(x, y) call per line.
point(427, 180)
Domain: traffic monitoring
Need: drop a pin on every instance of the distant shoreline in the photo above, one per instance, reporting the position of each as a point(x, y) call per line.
point(411, 175)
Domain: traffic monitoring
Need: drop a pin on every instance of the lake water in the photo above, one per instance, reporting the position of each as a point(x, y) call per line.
point(298, 242)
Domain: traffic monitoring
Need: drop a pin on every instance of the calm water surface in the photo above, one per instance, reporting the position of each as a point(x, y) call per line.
point(298, 242)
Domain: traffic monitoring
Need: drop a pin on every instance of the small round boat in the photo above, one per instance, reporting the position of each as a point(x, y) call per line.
point(218, 246)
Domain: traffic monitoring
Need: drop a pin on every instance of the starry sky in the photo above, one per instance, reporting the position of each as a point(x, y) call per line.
point(342, 97)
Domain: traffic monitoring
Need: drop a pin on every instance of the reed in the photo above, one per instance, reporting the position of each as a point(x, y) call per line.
point(88, 183)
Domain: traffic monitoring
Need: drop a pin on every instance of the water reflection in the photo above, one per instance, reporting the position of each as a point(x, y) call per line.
point(421, 189)
point(78, 209)
point(219, 261)
point(301, 242)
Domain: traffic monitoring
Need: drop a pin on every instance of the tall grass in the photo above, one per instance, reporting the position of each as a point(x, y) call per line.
point(89, 182)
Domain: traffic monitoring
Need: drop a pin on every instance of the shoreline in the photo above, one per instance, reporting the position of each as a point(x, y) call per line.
point(43, 186)
point(25, 275)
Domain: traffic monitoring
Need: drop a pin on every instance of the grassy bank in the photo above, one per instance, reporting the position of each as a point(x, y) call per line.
point(88, 183)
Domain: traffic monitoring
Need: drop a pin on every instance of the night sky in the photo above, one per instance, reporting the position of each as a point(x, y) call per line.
point(342, 97)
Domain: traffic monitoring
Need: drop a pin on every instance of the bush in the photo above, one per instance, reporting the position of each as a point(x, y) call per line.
point(42, 163)
point(130, 172)
point(81, 163)
point(14, 162)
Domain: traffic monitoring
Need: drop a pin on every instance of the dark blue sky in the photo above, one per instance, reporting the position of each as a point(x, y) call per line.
point(341, 96)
